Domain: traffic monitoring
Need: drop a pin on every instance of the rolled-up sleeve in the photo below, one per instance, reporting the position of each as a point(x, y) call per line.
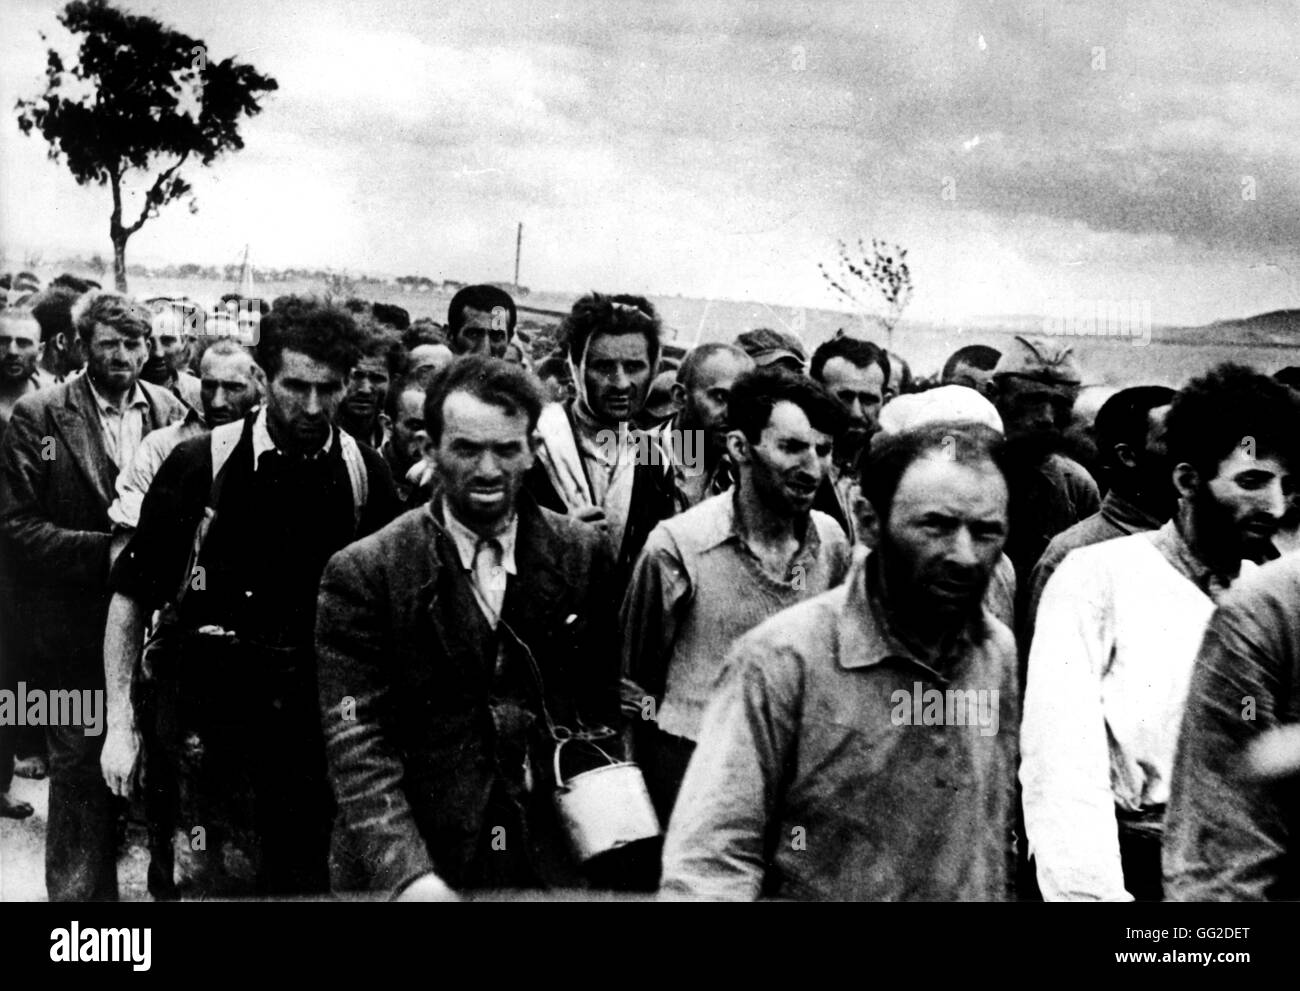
point(1069, 805)
point(716, 844)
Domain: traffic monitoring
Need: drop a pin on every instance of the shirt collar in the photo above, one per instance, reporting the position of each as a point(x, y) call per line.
point(865, 637)
point(1125, 515)
point(725, 525)
point(610, 445)
point(137, 399)
point(1174, 548)
point(467, 541)
point(262, 441)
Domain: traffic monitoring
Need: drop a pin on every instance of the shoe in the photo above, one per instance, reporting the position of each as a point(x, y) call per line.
point(11, 808)
point(31, 767)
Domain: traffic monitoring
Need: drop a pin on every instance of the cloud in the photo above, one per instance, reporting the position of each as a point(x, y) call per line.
point(722, 147)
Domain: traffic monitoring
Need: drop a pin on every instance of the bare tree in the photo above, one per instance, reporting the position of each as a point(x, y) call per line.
point(876, 283)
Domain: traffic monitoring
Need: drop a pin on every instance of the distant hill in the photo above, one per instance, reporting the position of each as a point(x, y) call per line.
point(1280, 327)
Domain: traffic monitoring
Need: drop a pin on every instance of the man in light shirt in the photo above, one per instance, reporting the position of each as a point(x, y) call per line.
point(1118, 629)
point(719, 569)
point(230, 385)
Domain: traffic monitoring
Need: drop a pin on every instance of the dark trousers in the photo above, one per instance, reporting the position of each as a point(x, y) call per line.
point(1139, 852)
point(15, 666)
point(81, 837)
point(262, 741)
point(663, 759)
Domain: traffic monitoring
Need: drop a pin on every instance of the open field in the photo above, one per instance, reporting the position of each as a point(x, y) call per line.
point(1166, 360)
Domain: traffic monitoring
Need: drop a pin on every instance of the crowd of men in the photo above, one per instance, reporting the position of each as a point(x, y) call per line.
point(350, 586)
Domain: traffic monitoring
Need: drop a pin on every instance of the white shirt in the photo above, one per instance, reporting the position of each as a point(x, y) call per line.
point(1117, 632)
point(610, 455)
point(262, 441)
point(134, 481)
point(486, 575)
point(124, 428)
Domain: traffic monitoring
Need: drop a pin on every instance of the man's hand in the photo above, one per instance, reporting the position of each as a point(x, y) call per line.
point(427, 888)
point(1275, 754)
point(120, 760)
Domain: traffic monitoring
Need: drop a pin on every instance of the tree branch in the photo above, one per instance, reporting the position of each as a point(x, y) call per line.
point(154, 198)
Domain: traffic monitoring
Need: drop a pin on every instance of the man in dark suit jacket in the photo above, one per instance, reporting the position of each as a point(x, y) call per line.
point(58, 464)
point(449, 645)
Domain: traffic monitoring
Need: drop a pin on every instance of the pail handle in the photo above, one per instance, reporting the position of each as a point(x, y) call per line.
point(559, 780)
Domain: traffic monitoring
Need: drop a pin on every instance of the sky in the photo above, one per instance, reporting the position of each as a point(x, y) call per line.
point(1028, 155)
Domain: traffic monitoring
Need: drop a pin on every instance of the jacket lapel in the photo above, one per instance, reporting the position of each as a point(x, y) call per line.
point(77, 420)
point(460, 634)
point(159, 417)
point(533, 594)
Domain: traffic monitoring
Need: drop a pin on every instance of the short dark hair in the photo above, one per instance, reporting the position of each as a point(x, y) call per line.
point(1123, 418)
point(491, 380)
point(53, 311)
point(246, 303)
point(899, 367)
point(697, 356)
point(1289, 376)
point(409, 383)
point(595, 314)
point(112, 309)
point(423, 331)
point(75, 283)
point(980, 356)
point(891, 455)
point(481, 297)
point(857, 352)
point(1213, 414)
point(382, 343)
point(554, 367)
point(755, 394)
point(390, 315)
point(321, 330)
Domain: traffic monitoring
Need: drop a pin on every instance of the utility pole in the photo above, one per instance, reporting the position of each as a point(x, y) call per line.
point(519, 245)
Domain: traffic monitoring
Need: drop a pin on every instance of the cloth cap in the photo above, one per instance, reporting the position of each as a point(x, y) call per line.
point(1039, 358)
point(766, 346)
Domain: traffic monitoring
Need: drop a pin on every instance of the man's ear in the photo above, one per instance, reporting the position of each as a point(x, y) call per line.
point(1186, 480)
point(428, 449)
point(385, 423)
point(1125, 455)
point(738, 447)
point(678, 392)
point(864, 515)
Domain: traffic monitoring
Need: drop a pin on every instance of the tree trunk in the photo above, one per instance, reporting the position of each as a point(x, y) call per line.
point(117, 233)
point(119, 262)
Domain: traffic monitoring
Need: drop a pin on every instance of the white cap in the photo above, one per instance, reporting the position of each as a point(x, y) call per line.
point(945, 404)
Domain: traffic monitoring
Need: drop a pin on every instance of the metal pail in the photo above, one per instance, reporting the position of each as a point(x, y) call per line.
point(604, 808)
